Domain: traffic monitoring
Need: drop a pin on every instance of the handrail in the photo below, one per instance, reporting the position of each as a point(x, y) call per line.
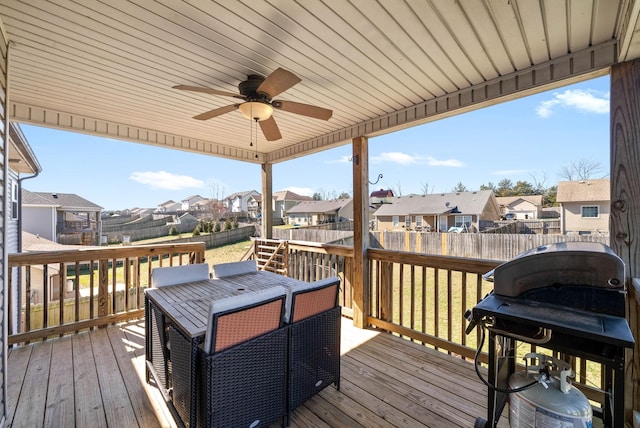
point(68, 290)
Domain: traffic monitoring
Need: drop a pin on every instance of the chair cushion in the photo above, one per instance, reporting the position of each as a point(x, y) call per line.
point(236, 319)
point(234, 268)
point(171, 275)
point(311, 298)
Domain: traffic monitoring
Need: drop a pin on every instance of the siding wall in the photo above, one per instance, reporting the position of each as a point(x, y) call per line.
point(4, 132)
point(40, 221)
point(574, 223)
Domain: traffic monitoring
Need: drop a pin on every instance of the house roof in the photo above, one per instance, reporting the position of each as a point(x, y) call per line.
point(242, 194)
point(31, 243)
point(380, 66)
point(584, 191)
point(288, 195)
point(437, 203)
point(167, 203)
point(193, 199)
point(22, 159)
point(319, 207)
point(381, 193)
point(508, 200)
point(65, 201)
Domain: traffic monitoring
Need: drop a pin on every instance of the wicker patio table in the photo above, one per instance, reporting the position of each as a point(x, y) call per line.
point(186, 307)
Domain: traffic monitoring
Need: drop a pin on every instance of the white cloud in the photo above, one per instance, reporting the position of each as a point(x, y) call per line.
point(343, 159)
point(395, 157)
point(587, 101)
point(405, 159)
point(305, 191)
point(166, 180)
point(444, 162)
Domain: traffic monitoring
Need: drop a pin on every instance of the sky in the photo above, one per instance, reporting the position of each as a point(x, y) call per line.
point(530, 139)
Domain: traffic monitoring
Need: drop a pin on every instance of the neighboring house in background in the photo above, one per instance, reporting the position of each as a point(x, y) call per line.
point(239, 202)
point(168, 207)
point(64, 218)
point(523, 207)
point(284, 200)
point(254, 206)
point(470, 211)
point(32, 243)
point(585, 206)
point(379, 197)
point(189, 203)
point(23, 165)
point(309, 213)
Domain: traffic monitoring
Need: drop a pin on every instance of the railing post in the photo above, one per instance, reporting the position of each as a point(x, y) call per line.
point(361, 286)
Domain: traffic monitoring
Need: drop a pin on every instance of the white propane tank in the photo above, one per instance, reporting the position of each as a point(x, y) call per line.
point(552, 402)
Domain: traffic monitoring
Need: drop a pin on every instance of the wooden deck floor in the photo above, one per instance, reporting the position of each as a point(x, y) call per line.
point(96, 379)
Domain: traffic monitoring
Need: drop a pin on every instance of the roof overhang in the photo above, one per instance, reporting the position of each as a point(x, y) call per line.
point(107, 68)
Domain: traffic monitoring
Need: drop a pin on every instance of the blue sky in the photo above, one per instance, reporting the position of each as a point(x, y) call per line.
point(529, 139)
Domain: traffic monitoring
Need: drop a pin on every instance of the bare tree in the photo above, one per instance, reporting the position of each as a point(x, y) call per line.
point(425, 188)
point(397, 189)
point(581, 169)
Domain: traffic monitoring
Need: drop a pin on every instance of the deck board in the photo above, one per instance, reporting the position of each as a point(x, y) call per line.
point(96, 379)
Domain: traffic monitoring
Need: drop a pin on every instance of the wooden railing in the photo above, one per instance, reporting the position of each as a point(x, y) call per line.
point(419, 297)
point(69, 290)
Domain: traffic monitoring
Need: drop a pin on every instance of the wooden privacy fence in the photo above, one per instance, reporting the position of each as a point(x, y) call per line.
point(97, 286)
point(471, 245)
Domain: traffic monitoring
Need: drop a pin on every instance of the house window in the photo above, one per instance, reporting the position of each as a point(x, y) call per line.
point(395, 221)
point(407, 222)
point(463, 220)
point(418, 220)
point(590, 211)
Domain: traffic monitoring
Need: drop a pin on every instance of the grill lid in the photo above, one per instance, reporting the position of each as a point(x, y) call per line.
point(583, 264)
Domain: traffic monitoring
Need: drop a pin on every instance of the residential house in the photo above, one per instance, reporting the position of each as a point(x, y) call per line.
point(37, 295)
point(310, 213)
point(65, 218)
point(188, 203)
point(585, 206)
point(382, 196)
point(468, 211)
point(168, 207)
point(522, 207)
point(23, 165)
point(238, 203)
point(254, 206)
point(284, 200)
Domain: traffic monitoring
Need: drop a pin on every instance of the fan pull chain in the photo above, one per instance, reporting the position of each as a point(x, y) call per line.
point(256, 138)
point(251, 131)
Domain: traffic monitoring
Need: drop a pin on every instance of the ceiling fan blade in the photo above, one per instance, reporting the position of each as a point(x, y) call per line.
point(207, 91)
point(303, 109)
point(216, 112)
point(278, 81)
point(270, 129)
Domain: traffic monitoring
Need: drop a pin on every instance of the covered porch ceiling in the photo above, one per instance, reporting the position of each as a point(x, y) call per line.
point(108, 68)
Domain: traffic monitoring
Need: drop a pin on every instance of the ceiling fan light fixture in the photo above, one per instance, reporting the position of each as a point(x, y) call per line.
point(254, 110)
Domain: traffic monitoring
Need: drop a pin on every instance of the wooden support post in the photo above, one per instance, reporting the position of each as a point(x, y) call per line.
point(361, 292)
point(103, 287)
point(267, 196)
point(624, 225)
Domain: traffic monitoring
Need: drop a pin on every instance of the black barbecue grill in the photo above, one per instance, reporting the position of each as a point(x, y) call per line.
point(566, 297)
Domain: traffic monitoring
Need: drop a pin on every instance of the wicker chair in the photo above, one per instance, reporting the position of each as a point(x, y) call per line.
point(241, 376)
point(158, 353)
point(314, 340)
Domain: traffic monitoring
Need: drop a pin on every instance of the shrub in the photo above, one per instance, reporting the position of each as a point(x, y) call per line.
point(227, 224)
point(216, 227)
point(196, 231)
point(173, 231)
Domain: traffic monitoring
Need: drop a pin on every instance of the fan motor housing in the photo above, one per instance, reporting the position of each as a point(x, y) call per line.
point(249, 88)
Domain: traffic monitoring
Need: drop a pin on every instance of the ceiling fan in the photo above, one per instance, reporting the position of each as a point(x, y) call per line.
point(257, 93)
